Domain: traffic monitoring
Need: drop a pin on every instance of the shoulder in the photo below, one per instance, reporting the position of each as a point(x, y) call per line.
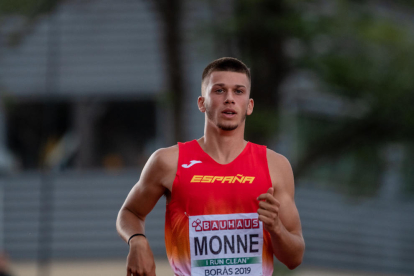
point(164, 154)
point(277, 160)
point(280, 171)
point(164, 158)
point(160, 167)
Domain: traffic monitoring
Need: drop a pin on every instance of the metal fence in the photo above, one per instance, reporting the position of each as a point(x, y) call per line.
point(79, 222)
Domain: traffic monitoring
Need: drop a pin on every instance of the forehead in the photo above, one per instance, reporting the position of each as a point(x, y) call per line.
point(228, 78)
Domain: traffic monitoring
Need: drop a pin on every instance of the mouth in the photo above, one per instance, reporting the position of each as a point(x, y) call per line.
point(229, 113)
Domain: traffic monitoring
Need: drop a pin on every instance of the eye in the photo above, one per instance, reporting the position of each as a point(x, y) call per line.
point(239, 91)
point(219, 90)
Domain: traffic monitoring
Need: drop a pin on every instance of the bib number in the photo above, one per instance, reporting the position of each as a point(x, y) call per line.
point(229, 244)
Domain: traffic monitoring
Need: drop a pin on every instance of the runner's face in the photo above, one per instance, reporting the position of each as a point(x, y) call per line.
point(226, 99)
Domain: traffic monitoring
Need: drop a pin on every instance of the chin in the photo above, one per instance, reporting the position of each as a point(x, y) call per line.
point(227, 127)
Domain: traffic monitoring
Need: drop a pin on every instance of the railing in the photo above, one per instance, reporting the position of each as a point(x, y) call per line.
point(370, 234)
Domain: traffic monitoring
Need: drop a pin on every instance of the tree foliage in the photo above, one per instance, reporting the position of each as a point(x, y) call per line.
point(359, 50)
point(362, 55)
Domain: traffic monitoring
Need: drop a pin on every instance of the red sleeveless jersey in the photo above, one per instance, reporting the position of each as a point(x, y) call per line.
point(211, 222)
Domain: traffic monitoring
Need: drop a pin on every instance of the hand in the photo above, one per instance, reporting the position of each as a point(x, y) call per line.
point(269, 211)
point(140, 260)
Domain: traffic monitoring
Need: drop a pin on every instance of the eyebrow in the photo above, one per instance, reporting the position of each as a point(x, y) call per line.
point(222, 84)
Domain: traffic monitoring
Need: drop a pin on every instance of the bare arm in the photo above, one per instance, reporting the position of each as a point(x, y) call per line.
point(157, 177)
point(279, 213)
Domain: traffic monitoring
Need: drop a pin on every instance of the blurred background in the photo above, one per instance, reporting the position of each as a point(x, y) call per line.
point(89, 89)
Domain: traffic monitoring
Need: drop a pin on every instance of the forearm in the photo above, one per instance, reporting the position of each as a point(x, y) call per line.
point(288, 247)
point(140, 260)
point(128, 224)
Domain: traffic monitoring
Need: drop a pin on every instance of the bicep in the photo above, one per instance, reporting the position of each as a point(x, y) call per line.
point(147, 191)
point(283, 182)
point(289, 215)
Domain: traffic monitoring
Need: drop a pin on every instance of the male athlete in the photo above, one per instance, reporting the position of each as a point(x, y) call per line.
point(230, 203)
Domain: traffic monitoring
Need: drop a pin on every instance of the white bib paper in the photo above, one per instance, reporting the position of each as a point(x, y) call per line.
point(229, 244)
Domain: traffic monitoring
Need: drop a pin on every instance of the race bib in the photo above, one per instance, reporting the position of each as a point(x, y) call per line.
point(229, 244)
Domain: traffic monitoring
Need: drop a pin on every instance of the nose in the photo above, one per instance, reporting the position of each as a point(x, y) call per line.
point(229, 97)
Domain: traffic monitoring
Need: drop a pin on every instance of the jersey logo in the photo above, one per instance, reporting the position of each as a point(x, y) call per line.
point(192, 162)
point(222, 179)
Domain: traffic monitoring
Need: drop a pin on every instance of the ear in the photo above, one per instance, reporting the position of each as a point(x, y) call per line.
point(250, 106)
point(200, 103)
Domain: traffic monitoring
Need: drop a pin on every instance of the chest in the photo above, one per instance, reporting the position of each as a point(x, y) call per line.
point(203, 186)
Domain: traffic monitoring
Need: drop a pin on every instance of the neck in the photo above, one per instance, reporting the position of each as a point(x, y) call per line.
point(223, 146)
